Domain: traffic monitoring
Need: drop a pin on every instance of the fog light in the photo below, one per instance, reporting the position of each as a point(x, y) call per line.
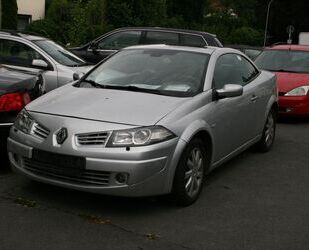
point(121, 178)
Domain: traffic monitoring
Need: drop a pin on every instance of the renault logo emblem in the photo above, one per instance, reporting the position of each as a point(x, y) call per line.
point(61, 135)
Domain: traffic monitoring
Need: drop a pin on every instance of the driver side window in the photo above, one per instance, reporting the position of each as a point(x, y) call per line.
point(17, 54)
point(120, 40)
point(233, 69)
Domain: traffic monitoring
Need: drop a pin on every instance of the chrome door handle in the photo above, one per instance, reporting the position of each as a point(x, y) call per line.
point(254, 98)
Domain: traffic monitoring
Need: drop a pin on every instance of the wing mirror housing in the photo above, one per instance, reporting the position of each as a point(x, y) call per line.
point(229, 90)
point(77, 76)
point(93, 46)
point(40, 64)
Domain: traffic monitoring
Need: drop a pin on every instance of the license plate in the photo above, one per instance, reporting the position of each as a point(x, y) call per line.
point(58, 162)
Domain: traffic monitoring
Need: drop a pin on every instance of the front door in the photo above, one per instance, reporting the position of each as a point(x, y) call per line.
point(233, 119)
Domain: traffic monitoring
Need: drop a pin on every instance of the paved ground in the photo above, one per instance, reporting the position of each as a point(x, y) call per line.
point(256, 201)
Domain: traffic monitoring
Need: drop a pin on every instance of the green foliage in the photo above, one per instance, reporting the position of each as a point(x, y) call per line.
point(191, 12)
point(246, 35)
point(9, 14)
point(79, 21)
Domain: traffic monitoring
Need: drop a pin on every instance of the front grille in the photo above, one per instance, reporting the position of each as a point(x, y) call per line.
point(40, 131)
point(84, 177)
point(92, 139)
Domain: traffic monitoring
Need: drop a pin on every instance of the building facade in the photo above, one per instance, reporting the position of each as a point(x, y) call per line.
point(28, 11)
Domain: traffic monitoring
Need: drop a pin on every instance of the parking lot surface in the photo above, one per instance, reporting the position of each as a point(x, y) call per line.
point(255, 201)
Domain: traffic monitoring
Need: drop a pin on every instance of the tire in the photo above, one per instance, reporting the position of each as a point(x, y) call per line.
point(190, 174)
point(269, 132)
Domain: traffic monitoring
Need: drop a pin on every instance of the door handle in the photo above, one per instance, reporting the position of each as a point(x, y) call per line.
point(254, 98)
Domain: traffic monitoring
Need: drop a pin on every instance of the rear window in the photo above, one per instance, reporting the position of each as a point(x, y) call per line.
point(157, 37)
point(192, 40)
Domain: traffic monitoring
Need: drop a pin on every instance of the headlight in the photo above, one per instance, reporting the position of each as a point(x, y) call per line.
point(139, 137)
point(300, 91)
point(24, 122)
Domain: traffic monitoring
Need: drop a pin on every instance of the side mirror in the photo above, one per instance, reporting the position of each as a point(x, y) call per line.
point(40, 63)
point(93, 46)
point(229, 90)
point(77, 76)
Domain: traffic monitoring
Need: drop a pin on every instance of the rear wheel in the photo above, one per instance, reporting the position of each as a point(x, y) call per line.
point(190, 174)
point(269, 132)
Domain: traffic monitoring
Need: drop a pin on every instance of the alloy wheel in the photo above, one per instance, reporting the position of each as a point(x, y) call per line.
point(194, 172)
point(270, 130)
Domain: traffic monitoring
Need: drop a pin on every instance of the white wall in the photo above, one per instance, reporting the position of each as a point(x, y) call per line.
point(35, 8)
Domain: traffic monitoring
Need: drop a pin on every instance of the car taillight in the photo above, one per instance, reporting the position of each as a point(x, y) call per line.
point(13, 101)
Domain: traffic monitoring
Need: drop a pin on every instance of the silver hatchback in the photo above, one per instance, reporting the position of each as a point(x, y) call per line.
point(150, 120)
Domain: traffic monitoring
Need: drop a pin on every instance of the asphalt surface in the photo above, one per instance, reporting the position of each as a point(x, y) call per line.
point(256, 201)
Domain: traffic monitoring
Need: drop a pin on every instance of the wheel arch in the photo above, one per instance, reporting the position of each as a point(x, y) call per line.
point(198, 129)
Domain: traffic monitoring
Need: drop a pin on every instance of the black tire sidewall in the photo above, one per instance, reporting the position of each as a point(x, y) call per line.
point(179, 193)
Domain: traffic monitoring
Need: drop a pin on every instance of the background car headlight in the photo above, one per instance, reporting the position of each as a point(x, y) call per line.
point(139, 136)
point(300, 91)
point(24, 122)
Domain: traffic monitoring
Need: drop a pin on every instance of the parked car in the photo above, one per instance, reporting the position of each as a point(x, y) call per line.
point(251, 51)
point(291, 65)
point(150, 120)
point(34, 53)
point(16, 90)
point(111, 42)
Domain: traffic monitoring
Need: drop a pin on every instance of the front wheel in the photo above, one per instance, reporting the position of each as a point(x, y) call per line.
point(190, 174)
point(269, 132)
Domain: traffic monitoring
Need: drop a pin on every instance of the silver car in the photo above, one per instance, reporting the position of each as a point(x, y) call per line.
point(151, 120)
point(32, 53)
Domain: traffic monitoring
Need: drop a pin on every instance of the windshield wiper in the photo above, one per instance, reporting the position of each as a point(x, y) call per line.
point(131, 88)
point(122, 87)
point(282, 70)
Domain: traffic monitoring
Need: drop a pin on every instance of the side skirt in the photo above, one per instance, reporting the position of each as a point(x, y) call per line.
point(235, 152)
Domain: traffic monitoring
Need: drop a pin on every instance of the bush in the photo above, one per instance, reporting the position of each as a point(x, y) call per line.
point(246, 35)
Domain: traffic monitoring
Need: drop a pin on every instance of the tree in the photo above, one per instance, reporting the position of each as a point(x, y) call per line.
point(192, 12)
point(9, 14)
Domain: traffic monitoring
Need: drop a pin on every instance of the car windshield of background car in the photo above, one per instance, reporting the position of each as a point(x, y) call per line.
point(59, 54)
point(284, 61)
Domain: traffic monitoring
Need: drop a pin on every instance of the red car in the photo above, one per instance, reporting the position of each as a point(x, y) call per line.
point(291, 65)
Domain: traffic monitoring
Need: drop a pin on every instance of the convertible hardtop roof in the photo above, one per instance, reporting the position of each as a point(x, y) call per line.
point(205, 50)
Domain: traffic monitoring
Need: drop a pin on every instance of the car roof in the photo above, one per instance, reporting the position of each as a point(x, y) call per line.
point(294, 47)
point(167, 29)
point(204, 50)
point(241, 46)
point(24, 35)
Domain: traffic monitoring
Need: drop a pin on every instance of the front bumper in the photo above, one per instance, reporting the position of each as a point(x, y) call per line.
point(150, 169)
point(294, 105)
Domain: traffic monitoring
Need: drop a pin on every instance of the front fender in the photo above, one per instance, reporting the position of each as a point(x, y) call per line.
point(194, 128)
point(272, 100)
point(187, 135)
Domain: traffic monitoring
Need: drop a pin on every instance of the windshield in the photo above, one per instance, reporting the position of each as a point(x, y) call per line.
point(284, 61)
point(165, 72)
point(59, 54)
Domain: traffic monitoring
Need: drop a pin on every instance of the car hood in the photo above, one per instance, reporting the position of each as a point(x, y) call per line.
point(12, 81)
point(289, 81)
point(116, 106)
